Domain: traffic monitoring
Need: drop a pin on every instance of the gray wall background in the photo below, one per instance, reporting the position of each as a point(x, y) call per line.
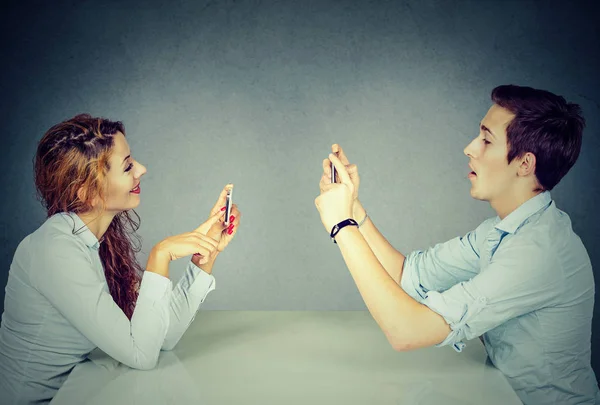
point(255, 92)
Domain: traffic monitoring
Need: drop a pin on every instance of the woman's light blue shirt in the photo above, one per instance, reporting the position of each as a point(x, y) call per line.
point(58, 308)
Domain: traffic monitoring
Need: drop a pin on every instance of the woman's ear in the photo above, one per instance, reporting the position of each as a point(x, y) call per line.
point(84, 197)
point(82, 194)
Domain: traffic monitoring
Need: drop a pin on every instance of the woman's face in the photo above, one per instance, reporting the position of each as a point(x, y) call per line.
point(123, 178)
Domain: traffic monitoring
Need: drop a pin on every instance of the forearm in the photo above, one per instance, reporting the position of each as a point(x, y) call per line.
point(184, 303)
point(187, 296)
point(406, 323)
point(391, 259)
point(158, 261)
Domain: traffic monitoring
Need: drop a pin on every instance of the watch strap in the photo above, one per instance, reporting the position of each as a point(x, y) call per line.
point(339, 226)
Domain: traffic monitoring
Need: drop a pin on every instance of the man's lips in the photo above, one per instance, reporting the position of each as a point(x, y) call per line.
point(472, 174)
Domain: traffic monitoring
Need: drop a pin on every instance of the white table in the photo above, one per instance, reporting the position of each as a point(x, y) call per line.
point(277, 357)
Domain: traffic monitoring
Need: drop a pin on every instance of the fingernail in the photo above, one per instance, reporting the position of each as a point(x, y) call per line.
point(223, 209)
point(231, 218)
point(229, 232)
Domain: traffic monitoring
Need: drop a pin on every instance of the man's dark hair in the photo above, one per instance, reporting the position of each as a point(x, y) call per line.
point(546, 125)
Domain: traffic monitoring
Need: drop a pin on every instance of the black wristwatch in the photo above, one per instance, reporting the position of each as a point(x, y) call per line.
point(338, 227)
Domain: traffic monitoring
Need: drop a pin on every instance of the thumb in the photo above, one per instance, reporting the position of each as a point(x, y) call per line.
point(341, 169)
point(221, 200)
point(213, 219)
point(201, 259)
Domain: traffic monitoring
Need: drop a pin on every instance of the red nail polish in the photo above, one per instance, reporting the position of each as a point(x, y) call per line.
point(231, 218)
point(223, 209)
point(229, 232)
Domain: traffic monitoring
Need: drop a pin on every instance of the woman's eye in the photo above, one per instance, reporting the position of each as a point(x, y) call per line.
point(129, 167)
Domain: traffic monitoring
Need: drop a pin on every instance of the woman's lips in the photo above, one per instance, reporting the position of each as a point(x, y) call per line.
point(136, 190)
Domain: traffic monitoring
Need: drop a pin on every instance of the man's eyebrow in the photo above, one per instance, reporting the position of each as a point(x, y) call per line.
point(124, 160)
point(486, 129)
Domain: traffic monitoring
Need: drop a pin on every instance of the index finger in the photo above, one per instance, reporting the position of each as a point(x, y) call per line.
point(341, 169)
point(213, 219)
point(337, 150)
point(207, 239)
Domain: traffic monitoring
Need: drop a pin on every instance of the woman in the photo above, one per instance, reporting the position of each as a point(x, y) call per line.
point(74, 283)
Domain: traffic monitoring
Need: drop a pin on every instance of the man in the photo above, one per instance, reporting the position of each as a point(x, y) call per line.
point(522, 281)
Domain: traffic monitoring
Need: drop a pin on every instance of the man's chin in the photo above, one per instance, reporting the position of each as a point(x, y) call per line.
point(476, 195)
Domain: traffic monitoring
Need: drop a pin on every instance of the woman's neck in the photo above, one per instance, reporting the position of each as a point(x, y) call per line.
point(97, 222)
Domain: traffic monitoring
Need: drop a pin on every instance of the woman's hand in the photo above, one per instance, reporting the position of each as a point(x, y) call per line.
point(219, 232)
point(196, 242)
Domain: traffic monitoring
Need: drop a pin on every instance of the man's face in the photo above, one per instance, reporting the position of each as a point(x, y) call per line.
point(492, 177)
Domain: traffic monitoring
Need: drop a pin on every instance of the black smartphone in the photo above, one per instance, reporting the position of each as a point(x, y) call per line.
point(228, 204)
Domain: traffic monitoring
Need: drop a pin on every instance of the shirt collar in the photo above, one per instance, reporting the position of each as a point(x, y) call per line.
point(515, 219)
point(81, 230)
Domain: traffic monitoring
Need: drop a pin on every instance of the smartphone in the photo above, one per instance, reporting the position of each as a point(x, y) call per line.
point(333, 173)
point(228, 204)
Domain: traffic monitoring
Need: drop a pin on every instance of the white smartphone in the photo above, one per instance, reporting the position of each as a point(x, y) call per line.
point(228, 204)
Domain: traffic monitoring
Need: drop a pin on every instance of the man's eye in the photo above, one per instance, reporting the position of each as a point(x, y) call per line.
point(485, 141)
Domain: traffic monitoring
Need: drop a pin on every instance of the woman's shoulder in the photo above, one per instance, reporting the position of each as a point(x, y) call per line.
point(59, 230)
point(54, 238)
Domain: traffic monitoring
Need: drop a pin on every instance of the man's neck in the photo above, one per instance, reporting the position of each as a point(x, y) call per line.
point(512, 200)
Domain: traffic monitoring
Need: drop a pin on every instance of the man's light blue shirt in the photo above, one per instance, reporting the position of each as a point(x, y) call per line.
point(58, 309)
point(526, 284)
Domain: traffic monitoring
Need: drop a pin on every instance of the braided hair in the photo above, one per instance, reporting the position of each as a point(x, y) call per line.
point(71, 165)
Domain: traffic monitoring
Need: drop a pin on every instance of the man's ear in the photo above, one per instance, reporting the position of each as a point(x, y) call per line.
point(527, 165)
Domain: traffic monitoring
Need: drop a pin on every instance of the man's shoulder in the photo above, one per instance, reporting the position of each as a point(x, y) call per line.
point(486, 226)
point(547, 241)
point(550, 229)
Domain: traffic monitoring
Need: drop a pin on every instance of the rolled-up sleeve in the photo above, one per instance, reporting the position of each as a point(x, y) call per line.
point(188, 294)
point(521, 278)
point(444, 265)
